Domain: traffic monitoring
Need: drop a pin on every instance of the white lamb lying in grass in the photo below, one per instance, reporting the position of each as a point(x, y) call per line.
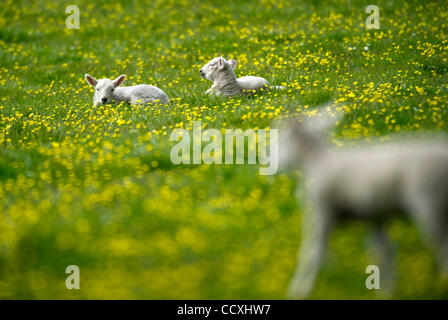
point(225, 83)
point(107, 90)
point(372, 184)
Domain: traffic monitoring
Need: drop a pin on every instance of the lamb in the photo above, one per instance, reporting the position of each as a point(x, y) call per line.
point(107, 90)
point(225, 83)
point(368, 183)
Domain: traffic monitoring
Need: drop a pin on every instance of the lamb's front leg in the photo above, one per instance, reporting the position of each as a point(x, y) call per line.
point(316, 228)
point(213, 91)
point(384, 251)
point(137, 100)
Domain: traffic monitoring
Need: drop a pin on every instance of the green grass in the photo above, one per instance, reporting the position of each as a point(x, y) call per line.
point(95, 187)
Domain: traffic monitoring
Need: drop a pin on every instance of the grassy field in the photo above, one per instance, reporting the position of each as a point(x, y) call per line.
point(95, 187)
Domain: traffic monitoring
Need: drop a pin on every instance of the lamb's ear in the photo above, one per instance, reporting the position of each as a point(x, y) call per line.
point(326, 117)
point(233, 63)
point(290, 137)
point(221, 63)
point(91, 80)
point(289, 128)
point(119, 80)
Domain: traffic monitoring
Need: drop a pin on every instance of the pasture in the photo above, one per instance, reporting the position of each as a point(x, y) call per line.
point(95, 187)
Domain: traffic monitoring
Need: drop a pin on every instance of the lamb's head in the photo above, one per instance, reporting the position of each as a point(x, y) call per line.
point(296, 141)
point(211, 70)
point(304, 139)
point(104, 88)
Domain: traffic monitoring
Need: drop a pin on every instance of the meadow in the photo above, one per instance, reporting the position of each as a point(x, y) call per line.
point(95, 187)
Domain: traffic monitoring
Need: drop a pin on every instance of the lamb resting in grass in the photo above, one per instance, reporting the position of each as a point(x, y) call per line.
point(372, 184)
point(225, 83)
point(107, 90)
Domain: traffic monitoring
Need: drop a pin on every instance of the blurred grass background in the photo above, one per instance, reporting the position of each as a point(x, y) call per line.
point(95, 187)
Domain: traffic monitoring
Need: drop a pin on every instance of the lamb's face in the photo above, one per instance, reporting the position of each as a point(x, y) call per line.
point(216, 65)
point(295, 141)
point(103, 91)
point(104, 88)
point(288, 148)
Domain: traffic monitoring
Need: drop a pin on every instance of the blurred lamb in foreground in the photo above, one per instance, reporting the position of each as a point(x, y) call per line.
point(225, 83)
point(107, 90)
point(369, 183)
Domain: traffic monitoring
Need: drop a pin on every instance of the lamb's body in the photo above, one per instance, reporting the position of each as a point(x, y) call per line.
point(372, 184)
point(379, 182)
point(225, 83)
point(107, 90)
point(141, 93)
point(251, 83)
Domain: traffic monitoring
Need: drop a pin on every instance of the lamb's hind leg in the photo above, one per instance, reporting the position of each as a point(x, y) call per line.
point(431, 213)
point(440, 235)
point(316, 229)
point(384, 251)
point(136, 101)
